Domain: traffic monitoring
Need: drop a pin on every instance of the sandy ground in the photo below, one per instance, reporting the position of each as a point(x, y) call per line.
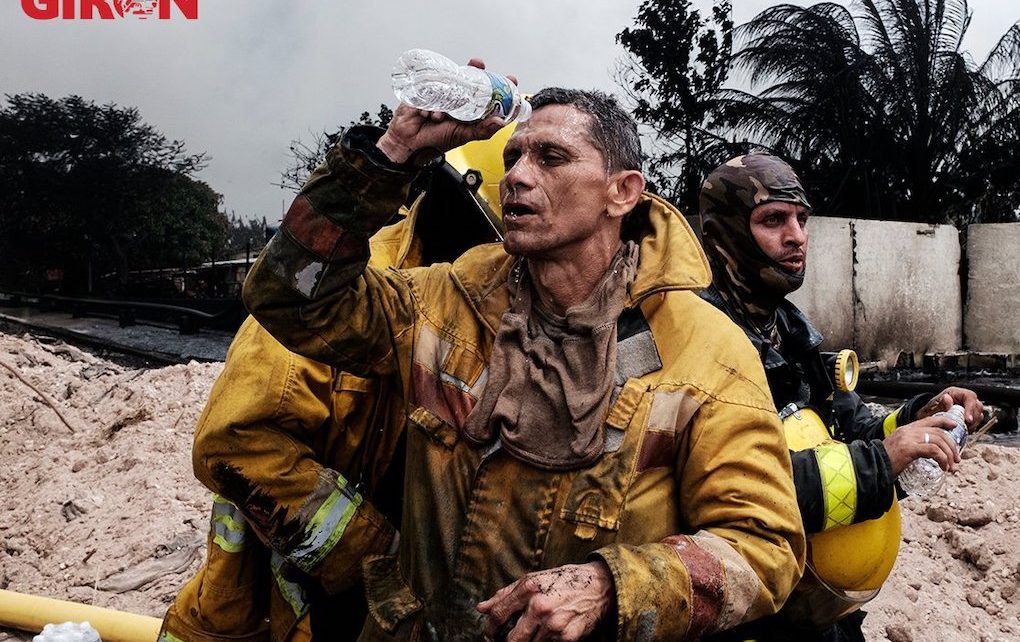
point(107, 512)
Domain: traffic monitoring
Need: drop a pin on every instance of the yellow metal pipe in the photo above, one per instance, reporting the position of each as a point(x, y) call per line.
point(31, 613)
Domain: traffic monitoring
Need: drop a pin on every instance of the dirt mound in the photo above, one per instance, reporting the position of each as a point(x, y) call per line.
point(110, 513)
point(958, 571)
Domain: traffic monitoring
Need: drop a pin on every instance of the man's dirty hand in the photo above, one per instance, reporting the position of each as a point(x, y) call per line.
point(563, 603)
point(926, 437)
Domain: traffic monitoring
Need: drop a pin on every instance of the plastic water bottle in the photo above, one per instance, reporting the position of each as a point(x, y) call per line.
point(430, 81)
point(68, 632)
point(924, 476)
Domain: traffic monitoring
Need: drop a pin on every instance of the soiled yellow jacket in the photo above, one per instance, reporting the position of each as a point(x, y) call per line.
point(692, 506)
point(291, 426)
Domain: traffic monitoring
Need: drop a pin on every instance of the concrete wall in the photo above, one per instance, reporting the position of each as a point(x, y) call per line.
point(908, 288)
point(882, 287)
point(992, 322)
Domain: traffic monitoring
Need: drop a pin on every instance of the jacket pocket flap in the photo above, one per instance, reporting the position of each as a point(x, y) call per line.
point(353, 383)
point(435, 428)
point(598, 494)
point(390, 599)
point(626, 404)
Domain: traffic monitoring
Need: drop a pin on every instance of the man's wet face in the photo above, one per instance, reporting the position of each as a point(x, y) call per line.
point(555, 189)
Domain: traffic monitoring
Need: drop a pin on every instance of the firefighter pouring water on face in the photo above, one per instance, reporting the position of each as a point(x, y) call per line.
point(580, 425)
point(754, 215)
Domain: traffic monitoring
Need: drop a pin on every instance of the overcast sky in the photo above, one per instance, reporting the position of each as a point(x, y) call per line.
point(249, 76)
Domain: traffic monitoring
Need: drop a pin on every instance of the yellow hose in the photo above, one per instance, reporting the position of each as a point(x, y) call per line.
point(31, 613)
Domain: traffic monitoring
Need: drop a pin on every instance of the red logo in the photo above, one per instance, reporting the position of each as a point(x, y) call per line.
point(108, 9)
point(139, 8)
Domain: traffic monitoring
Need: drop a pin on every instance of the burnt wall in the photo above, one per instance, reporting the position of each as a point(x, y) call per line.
point(882, 287)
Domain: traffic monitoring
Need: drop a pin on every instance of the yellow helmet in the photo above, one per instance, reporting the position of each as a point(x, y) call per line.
point(846, 565)
point(480, 163)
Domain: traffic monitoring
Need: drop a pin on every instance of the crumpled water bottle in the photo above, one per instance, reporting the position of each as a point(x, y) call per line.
point(68, 632)
point(924, 476)
point(427, 80)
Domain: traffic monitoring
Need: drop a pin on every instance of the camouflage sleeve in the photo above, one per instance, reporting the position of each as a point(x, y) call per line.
point(310, 287)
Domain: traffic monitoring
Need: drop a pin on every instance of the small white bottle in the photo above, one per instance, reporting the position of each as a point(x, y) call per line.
point(427, 80)
point(68, 632)
point(924, 476)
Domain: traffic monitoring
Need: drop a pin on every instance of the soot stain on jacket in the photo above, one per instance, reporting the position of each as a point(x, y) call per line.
point(259, 507)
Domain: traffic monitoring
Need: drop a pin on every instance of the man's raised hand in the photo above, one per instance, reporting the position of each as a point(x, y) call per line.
point(413, 129)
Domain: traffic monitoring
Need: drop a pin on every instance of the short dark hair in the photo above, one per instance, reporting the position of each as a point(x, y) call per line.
point(613, 130)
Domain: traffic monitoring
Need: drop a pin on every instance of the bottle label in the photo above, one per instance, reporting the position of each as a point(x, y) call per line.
point(502, 101)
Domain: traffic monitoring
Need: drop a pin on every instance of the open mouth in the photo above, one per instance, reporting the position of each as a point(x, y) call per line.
point(513, 211)
point(793, 263)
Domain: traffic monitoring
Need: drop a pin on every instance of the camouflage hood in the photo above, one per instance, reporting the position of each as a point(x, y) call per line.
point(750, 282)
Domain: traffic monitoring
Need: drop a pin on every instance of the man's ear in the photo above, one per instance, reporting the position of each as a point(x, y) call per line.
point(625, 188)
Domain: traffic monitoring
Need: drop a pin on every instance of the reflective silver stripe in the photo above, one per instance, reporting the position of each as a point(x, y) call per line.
point(614, 439)
point(431, 352)
point(291, 591)
point(326, 527)
point(455, 382)
point(228, 526)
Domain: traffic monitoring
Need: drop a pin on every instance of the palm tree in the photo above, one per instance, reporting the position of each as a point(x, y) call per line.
point(881, 111)
point(677, 58)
